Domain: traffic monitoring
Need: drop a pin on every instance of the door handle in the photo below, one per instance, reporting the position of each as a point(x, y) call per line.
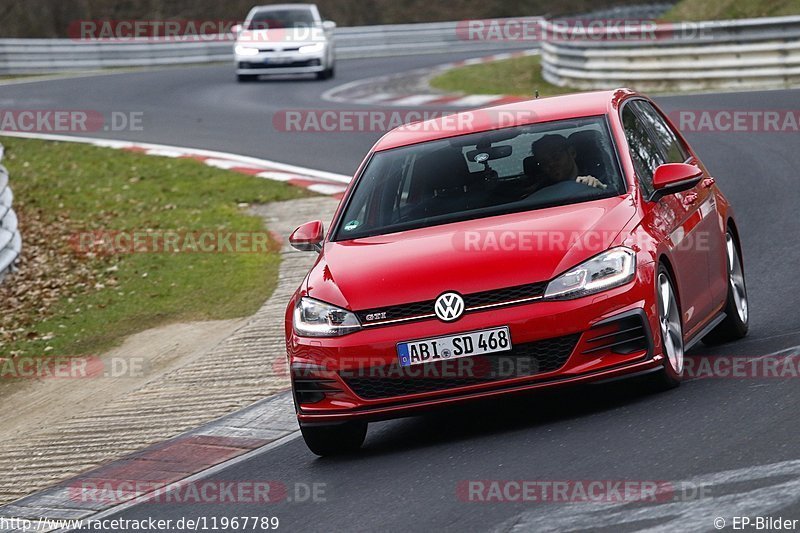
point(708, 183)
point(689, 199)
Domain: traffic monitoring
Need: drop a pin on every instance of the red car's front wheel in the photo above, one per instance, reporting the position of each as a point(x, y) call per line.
point(671, 330)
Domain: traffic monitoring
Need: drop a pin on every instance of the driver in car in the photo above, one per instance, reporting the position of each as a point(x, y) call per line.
point(555, 158)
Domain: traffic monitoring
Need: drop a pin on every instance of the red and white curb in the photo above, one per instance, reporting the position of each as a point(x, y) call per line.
point(432, 100)
point(372, 91)
point(166, 467)
point(318, 181)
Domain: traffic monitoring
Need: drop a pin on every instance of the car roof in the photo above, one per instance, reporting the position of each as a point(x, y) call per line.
point(517, 114)
point(271, 7)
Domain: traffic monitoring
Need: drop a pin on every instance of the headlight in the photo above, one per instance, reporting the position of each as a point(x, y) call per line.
point(313, 318)
point(245, 50)
point(312, 48)
point(610, 269)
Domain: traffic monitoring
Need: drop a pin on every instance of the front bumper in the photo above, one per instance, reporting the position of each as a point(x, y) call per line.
point(388, 412)
point(602, 329)
point(286, 63)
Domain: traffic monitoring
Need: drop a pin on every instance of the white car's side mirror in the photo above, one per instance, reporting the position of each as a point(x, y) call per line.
point(328, 25)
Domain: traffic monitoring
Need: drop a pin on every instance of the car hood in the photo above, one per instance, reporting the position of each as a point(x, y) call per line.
point(466, 257)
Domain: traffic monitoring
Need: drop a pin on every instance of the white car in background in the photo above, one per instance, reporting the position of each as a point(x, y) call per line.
point(284, 39)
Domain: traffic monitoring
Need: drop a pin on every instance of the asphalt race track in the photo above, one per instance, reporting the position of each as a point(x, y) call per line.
point(204, 107)
point(737, 436)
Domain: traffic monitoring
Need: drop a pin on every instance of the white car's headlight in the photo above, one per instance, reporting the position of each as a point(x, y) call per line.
point(312, 48)
point(610, 269)
point(313, 318)
point(245, 50)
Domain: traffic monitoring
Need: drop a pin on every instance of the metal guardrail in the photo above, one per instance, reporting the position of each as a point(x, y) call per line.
point(31, 56)
point(705, 55)
point(406, 39)
point(10, 239)
point(39, 56)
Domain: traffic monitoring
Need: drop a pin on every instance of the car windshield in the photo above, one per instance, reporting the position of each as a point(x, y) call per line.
point(272, 19)
point(482, 174)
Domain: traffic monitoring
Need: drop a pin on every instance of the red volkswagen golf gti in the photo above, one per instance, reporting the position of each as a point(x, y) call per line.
point(559, 241)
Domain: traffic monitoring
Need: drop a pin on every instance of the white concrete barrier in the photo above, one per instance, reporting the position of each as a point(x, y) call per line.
point(10, 239)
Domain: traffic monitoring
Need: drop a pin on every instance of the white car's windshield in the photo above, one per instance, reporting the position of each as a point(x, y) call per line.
point(281, 19)
point(483, 174)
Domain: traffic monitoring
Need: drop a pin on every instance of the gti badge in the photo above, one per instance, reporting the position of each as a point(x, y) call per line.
point(449, 306)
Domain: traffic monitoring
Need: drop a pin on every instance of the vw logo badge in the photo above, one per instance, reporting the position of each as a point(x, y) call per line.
point(449, 307)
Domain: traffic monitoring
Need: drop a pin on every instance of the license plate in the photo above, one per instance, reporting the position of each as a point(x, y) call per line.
point(277, 60)
point(454, 346)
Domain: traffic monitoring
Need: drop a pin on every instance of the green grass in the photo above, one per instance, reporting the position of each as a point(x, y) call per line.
point(695, 10)
point(520, 76)
point(76, 188)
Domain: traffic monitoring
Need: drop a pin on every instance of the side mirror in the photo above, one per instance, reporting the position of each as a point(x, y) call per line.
point(308, 237)
point(329, 25)
point(237, 29)
point(671, 178)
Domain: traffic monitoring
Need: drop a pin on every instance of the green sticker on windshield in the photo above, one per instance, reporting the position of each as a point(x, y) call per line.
point(353, 224)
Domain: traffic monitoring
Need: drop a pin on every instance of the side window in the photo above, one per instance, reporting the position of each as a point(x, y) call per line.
point(645, 153)
point(670, 144)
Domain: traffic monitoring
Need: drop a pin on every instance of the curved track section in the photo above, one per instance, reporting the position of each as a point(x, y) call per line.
point(204, 107)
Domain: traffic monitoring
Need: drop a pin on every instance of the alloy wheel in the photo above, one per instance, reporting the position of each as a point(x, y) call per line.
point(670, 322)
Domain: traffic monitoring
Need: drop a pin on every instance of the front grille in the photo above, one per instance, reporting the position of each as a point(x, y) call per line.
point(476, 299)
point(293, 64)
point(526, 359)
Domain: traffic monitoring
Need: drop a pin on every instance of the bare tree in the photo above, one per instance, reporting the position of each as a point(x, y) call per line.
point(52, 18)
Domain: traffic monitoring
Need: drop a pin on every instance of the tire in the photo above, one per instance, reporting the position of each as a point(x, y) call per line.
point(246, 77)
point(737, 309)
point(326, 74)
point(671, 331)
point(337, 439)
